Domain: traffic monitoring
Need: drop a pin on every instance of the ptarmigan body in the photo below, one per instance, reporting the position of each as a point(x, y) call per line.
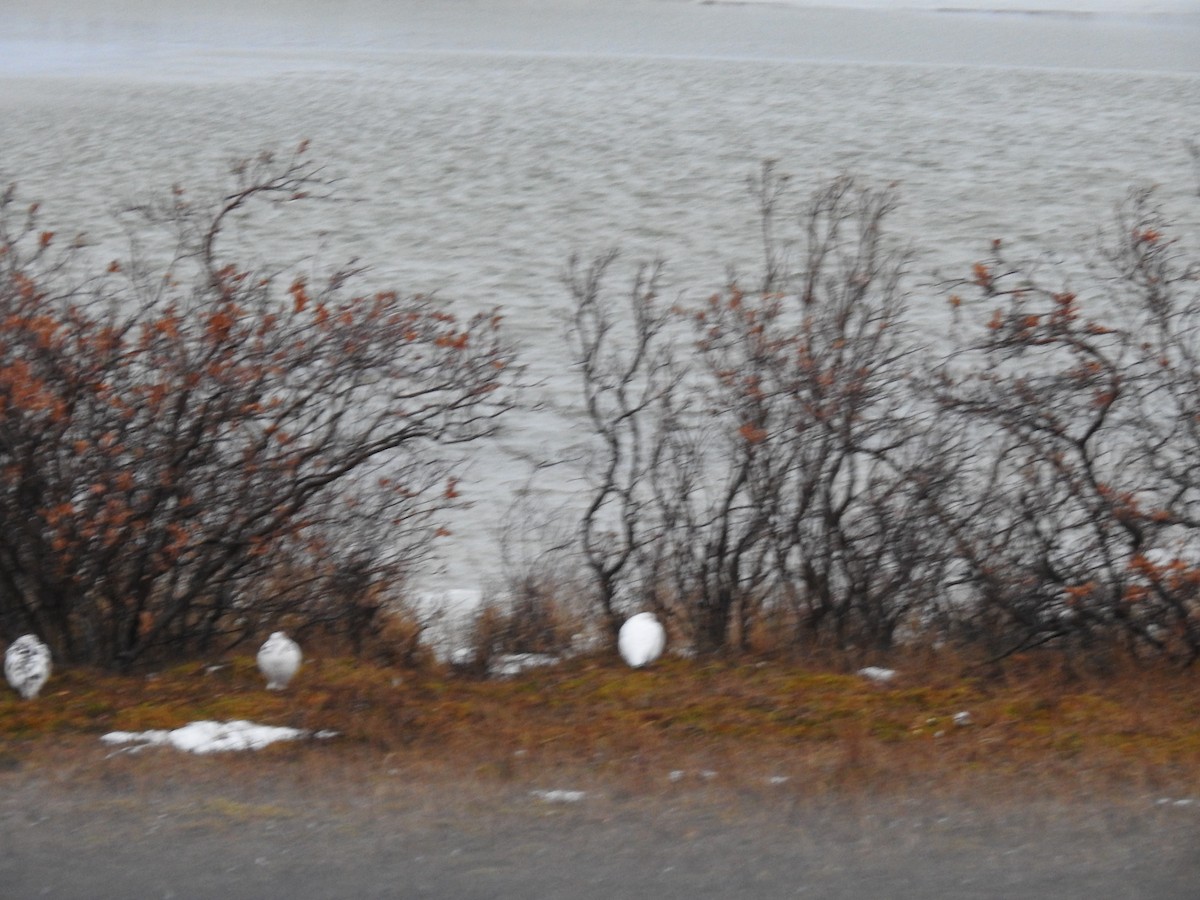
point(27, 665)
point(641, 640)
point(278, 660)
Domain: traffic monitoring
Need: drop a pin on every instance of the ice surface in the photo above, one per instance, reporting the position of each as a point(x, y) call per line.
point(484, 143)
point(1099, 7)
point(219, 41)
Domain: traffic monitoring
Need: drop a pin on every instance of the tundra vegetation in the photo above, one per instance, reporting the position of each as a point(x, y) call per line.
point(197, 448)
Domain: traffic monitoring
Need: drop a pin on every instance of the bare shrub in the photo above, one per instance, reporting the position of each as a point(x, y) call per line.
point(832, 438)
point(173, 432)
point(790, 462)
point(539, 618)
point(1081, 529)
point(630, 374)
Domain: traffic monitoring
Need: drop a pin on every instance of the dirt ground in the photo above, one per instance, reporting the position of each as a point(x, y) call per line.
point(309, 823)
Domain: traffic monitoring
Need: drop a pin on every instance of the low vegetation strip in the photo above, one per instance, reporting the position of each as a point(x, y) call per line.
point(745, 721)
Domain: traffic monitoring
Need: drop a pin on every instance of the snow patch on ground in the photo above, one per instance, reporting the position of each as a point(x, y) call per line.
point(877, 674)
point(509, 664)
point(210, 737)
point(680, 774)
point(559, 796)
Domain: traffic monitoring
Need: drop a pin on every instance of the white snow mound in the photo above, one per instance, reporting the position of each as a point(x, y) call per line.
point(877, 674)
point(209, 737)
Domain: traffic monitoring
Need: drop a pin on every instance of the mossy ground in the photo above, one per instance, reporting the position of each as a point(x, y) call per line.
point(746, 721)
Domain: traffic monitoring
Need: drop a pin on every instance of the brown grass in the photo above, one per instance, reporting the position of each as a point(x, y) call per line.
point(748, 722)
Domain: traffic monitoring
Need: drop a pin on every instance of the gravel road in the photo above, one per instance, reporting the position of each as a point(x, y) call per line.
point(179, 827)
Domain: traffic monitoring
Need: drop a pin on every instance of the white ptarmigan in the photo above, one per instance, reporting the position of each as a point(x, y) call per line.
point(27, 665)
point(641, 640)
point(278, 660)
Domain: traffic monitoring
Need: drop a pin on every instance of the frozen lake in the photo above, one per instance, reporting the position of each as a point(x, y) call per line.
point(484, 143)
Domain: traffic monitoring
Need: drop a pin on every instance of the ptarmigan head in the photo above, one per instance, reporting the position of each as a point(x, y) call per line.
point(27, 665)
point(278, 660)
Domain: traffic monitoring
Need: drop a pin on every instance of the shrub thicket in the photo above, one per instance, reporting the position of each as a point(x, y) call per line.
point(794, 452)
point(192, 447)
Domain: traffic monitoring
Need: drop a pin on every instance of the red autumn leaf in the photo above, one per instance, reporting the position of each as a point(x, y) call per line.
point(299, 295)
point(752, 434)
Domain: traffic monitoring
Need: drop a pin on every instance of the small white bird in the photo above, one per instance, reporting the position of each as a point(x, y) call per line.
point(278, 660)
point(641, 640)
point(27, 665)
